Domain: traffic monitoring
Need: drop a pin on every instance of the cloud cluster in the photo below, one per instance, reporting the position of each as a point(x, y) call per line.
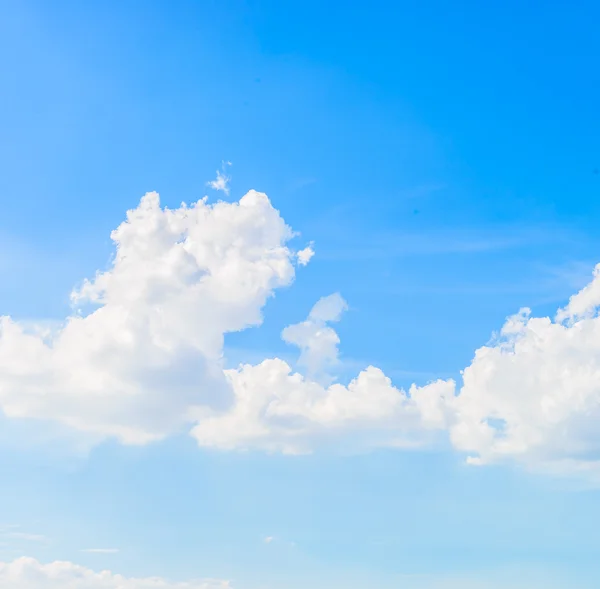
point(534, 393)
point(28, 573)
point(142, 356)
point(146, 360)
point(277, 409)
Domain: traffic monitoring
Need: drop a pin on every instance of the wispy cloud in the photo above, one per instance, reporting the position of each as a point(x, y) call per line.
point(572, 275)
point(12, 532)
point(221, 182)
point(300, 183)
point(8, 527)
point(100, 550)
point(439, 241)
point(27, 537)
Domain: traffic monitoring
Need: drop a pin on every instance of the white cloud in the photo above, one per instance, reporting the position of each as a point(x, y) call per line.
point(280, 410)
point(305, 255)
point(583, 304)
point(147, 360)
point(277, 409)
point(221, 182)
point(534, 393)
point(100, 550)
point(317, 341)
point(28, 573)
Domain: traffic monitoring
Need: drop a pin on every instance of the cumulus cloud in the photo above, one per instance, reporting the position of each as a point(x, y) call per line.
point(28, 573)
point(534, 393)
point(280, 410)
point(142, 357)
point(531, 395)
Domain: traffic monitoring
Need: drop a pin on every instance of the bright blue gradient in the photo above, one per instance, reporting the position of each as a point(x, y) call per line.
point(443, 156)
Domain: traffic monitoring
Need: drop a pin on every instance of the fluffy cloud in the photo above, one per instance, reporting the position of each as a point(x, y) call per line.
point(317, 341)
point(278, 409)
point(148, 354)
point(534, 394)
point(305, 255)
point(531, 395)
point(146, 360)
point(28, 573)
point(142, 356)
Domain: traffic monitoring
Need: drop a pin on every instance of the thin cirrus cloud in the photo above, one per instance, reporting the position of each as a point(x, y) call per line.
point(441, 242)
point(100, 550)
point(13, 532)
point(26, 536)
point(141, 357)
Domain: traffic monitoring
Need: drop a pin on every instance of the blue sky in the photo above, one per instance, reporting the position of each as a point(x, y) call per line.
point(442, 161)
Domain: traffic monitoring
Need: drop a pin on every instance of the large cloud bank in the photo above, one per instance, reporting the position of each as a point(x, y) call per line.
point(141, 357)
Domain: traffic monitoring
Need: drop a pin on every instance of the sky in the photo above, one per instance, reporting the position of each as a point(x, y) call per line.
point(299, 295)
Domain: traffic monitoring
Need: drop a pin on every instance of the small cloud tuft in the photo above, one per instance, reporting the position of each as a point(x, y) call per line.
point(221, 182)
point(304, 256)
